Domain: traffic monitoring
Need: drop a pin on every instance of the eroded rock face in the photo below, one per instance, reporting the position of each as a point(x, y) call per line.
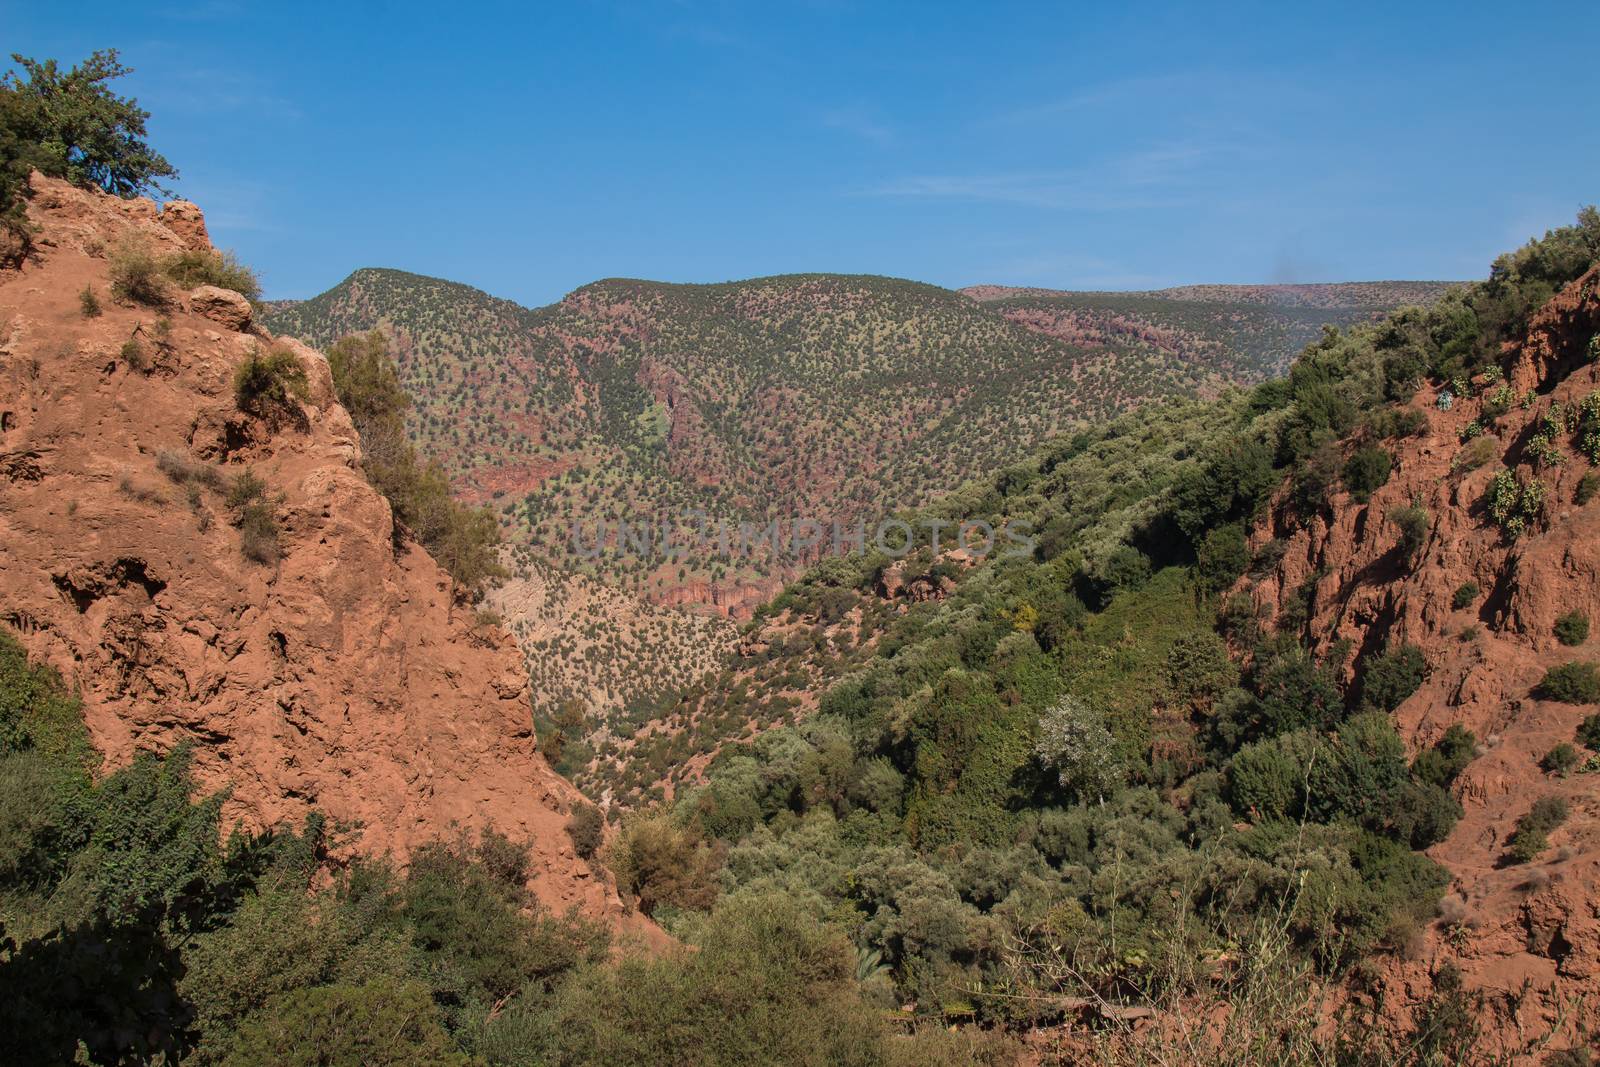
point(187, 223)
point(340, 674)
point(1538, 922)
point(224, 307)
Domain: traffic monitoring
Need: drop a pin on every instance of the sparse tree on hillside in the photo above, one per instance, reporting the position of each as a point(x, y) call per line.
point(1074, 742)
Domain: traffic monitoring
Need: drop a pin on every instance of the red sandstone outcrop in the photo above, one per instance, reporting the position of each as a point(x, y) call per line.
point(341, 675)
point(1537, 923)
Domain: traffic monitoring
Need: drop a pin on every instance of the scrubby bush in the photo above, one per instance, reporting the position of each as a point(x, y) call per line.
point(255, 517)
point(1588, 487)
point(221, 269)
point(1531, 834)
point(1572, 629)
point(132, 353)
point(269, 382)
point(1222, 557)
point(1476, 453)
point(385, 1023)
point(88, 303)
point(1447, 758)
point(1559, 760)
point(1514, 503)
point(587, 830)
point(660, 863)
point(1367, 471)
point(1465, 595)
point(1388, 680)
point(1571, 683)
point(1413, 523)
point(136, 274)
point(1074, 743)
point(1589, 732)
point(465, 541)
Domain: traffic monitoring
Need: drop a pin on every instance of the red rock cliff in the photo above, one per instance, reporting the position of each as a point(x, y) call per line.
point(1506, 924)
point(340, 676)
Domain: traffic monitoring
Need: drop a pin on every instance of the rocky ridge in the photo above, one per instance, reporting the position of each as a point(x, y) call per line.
point(340, 675)
point(1509, 928)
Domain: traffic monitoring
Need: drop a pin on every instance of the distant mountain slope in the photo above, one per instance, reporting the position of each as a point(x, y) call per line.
point(1369, 295)
point(1240, 332)
point(823, 396)
point(807, 396)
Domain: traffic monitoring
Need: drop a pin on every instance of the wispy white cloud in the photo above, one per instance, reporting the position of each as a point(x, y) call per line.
point(861, 122)
point(1068, 270)
point(1164, 175)
point(213, 91)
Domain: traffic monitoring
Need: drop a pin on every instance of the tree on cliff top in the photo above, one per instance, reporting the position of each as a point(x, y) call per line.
point(71, 125)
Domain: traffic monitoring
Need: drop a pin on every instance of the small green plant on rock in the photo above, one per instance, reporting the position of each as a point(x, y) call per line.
point(1572, 629)
point(136, 274)
point(1560, 760)
point(1531, 836)
point(1515, 504)
point(268, 382)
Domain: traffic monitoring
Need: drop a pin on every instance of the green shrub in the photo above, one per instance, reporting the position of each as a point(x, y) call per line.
point(1514, 503)
point(245, 489)
point(1367, 471)
point(1221, 558)
point(1466, 593)
point(383, 1024)
point(1559, 760)
point(767, 984)
point(465, 541)
point(1589, 732)
point(132, 353)
point(1413, 522)
point(1588, 487)
point(88, 303)
point(258, 530)
point(1388, 680)
point(269, 382)
point(1478, 451)
point(1531, 834)
point(136, 274)
point(1572, 629)
point(587, 830)
point(1449, 756)
point(1571, 683)
point(255, 517)
point(659, 862)
point(221, 269)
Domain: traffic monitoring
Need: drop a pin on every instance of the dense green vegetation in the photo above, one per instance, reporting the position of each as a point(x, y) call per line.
point(1091, 747)
point(131, 929)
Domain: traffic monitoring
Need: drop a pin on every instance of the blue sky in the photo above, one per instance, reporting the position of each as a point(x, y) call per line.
point(531, 148)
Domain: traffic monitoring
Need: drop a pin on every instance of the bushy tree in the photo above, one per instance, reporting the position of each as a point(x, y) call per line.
point(1392, 677)
point(1571, 683)
point(71, 125)
point(1367, 471)
point(1074, 743)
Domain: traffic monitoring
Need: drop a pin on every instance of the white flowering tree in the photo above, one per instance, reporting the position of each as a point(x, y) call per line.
point(1074, 742)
